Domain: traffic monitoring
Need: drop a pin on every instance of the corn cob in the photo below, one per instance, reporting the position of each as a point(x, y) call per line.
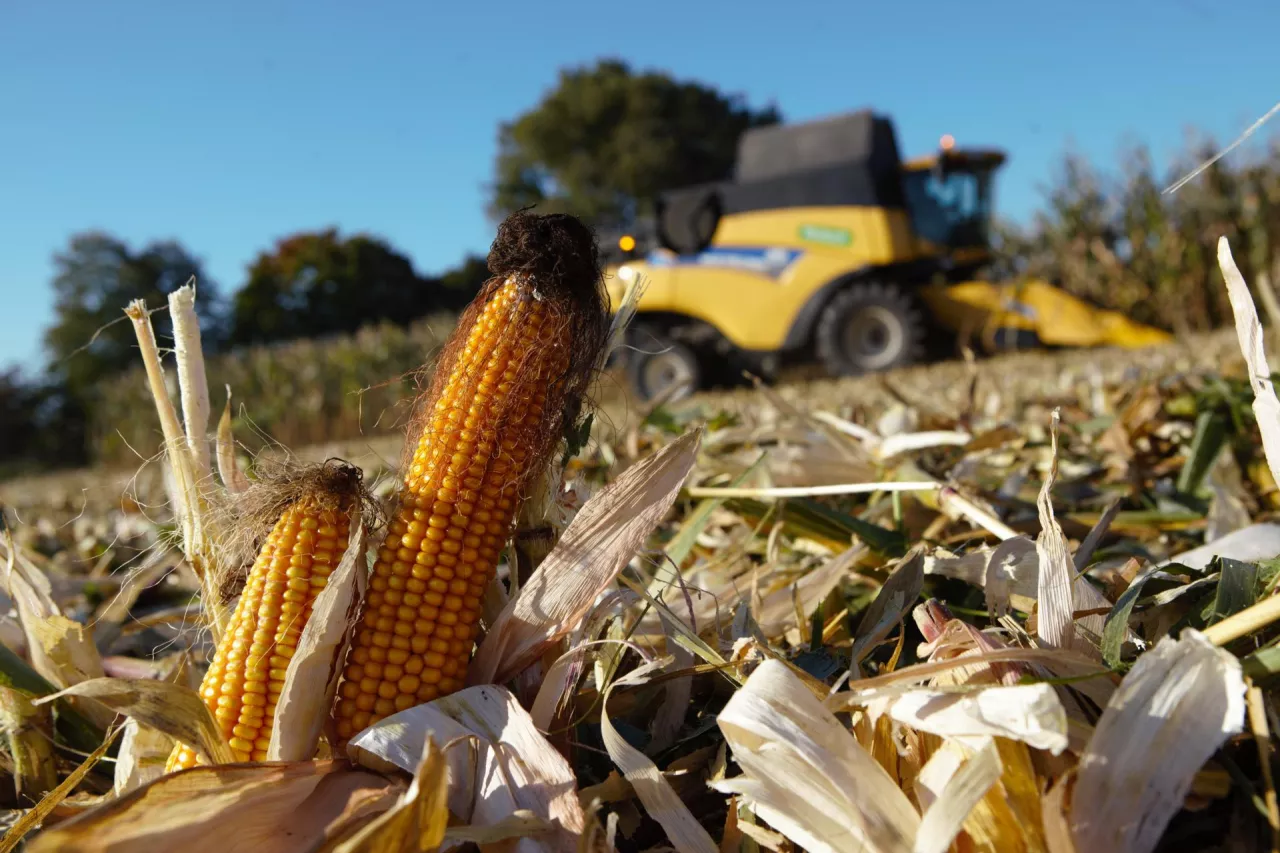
point(246, 677)
point(503, 391)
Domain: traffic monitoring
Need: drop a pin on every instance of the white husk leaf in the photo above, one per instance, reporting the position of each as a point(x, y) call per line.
point(1031, 713)
point(655, 792)
point(956, 504)
point(955, 792)
point(171, 708)
point(598, 544)
point(806, 774)
point(499, 763)
point(1009, 574)
point(906, 442)
point(1054, 623)
point(417, 823)
point(1177, 705)
point(232, 477)
point(142, 756)
point(59, 649)
point(1266, 406)
point(521, 823)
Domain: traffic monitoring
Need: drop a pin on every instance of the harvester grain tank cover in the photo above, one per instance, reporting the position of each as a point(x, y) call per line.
point(769, 261)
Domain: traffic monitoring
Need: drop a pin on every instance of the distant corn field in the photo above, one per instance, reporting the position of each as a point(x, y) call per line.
point(1120, 242)
point(297, 393)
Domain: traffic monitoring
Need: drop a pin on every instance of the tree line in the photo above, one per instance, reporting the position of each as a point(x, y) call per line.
point(307, 285)
point(602, 143)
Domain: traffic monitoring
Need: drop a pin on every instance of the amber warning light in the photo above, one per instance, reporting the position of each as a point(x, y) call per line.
point(627, 243)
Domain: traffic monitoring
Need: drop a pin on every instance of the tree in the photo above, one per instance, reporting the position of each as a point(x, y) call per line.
point(606, 140)
point(96, 278)
point(319, 283)
point(41, 426)
point(17, 421)
point(459, 285)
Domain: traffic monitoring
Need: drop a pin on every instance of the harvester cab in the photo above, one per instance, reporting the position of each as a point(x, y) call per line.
point(949, 200)
point(824, 243)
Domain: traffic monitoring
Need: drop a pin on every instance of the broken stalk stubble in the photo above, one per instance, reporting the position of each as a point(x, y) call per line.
point(509, 382)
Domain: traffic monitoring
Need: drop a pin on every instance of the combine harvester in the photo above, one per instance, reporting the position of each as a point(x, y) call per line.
point(826, 245)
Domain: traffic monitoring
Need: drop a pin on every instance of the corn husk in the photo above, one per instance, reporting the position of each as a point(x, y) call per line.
point(499, 763)
point(233, 809)
point(602, 538)
point(805, 774)
point(171, 708)
point(1175, 707)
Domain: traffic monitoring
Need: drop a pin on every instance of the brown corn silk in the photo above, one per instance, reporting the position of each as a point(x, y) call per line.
point(508, 382)
point(313, 510)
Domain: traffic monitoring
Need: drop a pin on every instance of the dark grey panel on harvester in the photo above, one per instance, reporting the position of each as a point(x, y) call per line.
point(849, 160)
point(687, 217)
point(780, 149)
point(844, 185)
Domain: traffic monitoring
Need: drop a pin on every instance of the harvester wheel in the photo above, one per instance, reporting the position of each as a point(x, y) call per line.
point(657, 361)
point(870, 327)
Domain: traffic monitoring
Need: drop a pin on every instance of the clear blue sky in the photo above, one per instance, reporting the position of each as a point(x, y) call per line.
point(227, 124)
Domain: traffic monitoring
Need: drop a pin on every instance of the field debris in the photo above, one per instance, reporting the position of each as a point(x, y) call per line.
point(1041, 625)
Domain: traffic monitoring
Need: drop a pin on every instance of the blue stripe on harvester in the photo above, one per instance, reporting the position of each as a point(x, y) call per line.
point(770, 261)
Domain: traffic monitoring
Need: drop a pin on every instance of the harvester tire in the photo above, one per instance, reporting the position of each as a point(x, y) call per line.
point(870, 327)
point(657, 360)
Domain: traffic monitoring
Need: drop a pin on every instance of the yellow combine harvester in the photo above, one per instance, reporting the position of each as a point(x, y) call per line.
point(825, 243)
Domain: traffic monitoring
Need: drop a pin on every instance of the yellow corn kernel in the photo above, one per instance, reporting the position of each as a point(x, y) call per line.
point(457, 507)
point(245, 679)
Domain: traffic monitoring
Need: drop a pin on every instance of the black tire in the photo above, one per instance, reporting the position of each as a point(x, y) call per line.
point(870, 327)
point(656, 360)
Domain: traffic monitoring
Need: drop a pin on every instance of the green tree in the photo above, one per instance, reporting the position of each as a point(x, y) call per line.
point(459, 285)
point(18, 429)
point(96, 277)
point(606, 140)
point(320, 283)
point(42, 427)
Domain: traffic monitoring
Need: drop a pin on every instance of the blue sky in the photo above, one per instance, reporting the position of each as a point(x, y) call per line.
point(226, 125)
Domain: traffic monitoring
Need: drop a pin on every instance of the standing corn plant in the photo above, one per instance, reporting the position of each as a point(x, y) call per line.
point(508, 385)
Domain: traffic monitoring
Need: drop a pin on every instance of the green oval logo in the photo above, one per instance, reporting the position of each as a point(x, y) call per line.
point(827, 234)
